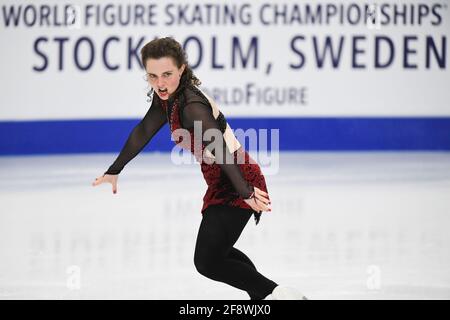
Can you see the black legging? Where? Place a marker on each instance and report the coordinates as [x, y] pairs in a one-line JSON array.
[[216, 258]]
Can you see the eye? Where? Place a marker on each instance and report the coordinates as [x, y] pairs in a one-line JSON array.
[[167, 75]]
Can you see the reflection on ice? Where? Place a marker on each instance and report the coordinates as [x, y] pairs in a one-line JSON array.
[[343, 225]]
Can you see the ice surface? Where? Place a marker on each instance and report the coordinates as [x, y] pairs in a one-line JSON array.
[[343, 226]]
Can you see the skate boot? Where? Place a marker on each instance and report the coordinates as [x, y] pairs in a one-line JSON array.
[[286, 293]]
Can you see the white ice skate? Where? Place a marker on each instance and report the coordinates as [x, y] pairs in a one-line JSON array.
[[285, 293]]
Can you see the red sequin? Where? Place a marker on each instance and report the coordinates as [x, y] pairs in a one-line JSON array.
[[220, 190]]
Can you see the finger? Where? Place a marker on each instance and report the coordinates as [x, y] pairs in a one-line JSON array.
[[261, 206], [256, 205], [114, 188], [260, 192], [253, 205], [262, 199], [97, 182]]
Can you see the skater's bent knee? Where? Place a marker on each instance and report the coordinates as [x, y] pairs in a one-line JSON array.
[[205, 266]]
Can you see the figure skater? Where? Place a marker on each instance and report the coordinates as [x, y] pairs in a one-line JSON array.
[[236, 187]]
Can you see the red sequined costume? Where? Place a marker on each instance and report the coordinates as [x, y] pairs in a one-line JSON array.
[[228, 183]]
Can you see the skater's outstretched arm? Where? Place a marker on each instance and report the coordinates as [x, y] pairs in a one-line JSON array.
[[142, 133], [140, 136]]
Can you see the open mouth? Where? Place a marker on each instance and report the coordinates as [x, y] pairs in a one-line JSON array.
[[162, 92]]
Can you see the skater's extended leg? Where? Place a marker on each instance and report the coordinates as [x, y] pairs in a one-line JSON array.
[[238, 255], [219, 230]]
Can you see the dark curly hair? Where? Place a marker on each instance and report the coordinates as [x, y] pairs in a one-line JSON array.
[[169, 47]]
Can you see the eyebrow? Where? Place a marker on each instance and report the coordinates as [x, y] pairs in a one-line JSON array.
[[162, 73]]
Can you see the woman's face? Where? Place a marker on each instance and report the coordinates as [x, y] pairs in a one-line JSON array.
[[163, 75]]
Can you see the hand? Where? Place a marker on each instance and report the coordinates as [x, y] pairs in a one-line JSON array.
[[111, 178], [260, 202]]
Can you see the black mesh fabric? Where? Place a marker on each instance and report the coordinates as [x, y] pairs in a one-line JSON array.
[[194, 107]]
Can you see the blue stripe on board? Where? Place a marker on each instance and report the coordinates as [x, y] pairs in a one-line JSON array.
[[306, 134]]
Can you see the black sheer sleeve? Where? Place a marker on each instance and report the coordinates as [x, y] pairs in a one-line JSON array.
[[197, 111], [140, 136]]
